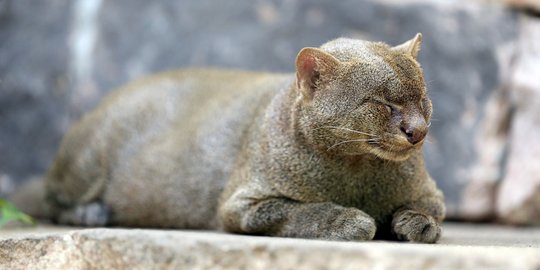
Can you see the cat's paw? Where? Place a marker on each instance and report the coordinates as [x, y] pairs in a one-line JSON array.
[[409, 225], [351, 224], [94, 214]]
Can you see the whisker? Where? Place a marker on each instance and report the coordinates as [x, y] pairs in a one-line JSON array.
[[348, 129], [349, 141]]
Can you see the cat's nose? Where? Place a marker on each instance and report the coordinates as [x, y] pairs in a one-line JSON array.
[[414, 133]]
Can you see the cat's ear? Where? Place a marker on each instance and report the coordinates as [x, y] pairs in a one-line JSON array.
[[411, 47], [312, 66]]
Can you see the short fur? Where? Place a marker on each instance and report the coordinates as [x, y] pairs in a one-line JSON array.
[[331, 153]]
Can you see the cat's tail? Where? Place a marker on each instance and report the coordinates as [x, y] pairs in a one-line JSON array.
[[30, 198]]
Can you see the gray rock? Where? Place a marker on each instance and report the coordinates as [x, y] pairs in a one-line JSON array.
[[532, 5], [157, 249], [34, 85], [88, 47], [518, 200]]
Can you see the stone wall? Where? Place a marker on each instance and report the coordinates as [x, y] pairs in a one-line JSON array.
[[57, 60]]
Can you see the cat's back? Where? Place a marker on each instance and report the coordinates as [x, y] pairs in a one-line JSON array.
[[181, 99], [193, 106], [189, 88]]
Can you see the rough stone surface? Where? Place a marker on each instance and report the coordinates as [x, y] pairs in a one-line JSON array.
[[533, 5], [480, 193], [34, 88], [76, 51], [518, 198], [463, 247]]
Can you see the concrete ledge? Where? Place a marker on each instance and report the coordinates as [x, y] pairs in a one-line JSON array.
[[462, 247]]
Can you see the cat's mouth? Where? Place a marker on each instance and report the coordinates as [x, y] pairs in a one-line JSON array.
[[396, 152]]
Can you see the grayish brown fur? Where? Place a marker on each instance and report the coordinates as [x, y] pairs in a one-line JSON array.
[[323, 154]]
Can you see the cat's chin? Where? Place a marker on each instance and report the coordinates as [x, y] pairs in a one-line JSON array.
[[391, 155], [384, 151]]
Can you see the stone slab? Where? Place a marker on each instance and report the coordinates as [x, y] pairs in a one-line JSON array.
[[462, 247]]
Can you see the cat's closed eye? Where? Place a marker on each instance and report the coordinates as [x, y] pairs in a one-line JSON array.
[[390, 108]]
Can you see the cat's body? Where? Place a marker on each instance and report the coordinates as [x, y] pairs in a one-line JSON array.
[[164, 146], [333, 153]]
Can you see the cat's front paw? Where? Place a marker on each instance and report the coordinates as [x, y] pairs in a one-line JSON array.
[[409, 225], [351, 224]]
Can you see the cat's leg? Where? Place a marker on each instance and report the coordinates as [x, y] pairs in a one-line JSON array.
[[288, 218], [420, 221], [94, 214]]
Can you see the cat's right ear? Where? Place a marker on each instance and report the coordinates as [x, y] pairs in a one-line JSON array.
[[312, 66], [411, 47]]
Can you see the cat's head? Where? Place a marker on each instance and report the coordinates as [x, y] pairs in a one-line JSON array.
[[359, 97]]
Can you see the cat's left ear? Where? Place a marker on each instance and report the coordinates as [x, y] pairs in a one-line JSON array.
[[313, 66], [411, 47]]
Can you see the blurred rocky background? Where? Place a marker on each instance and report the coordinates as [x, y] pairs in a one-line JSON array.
[[481, 60]]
